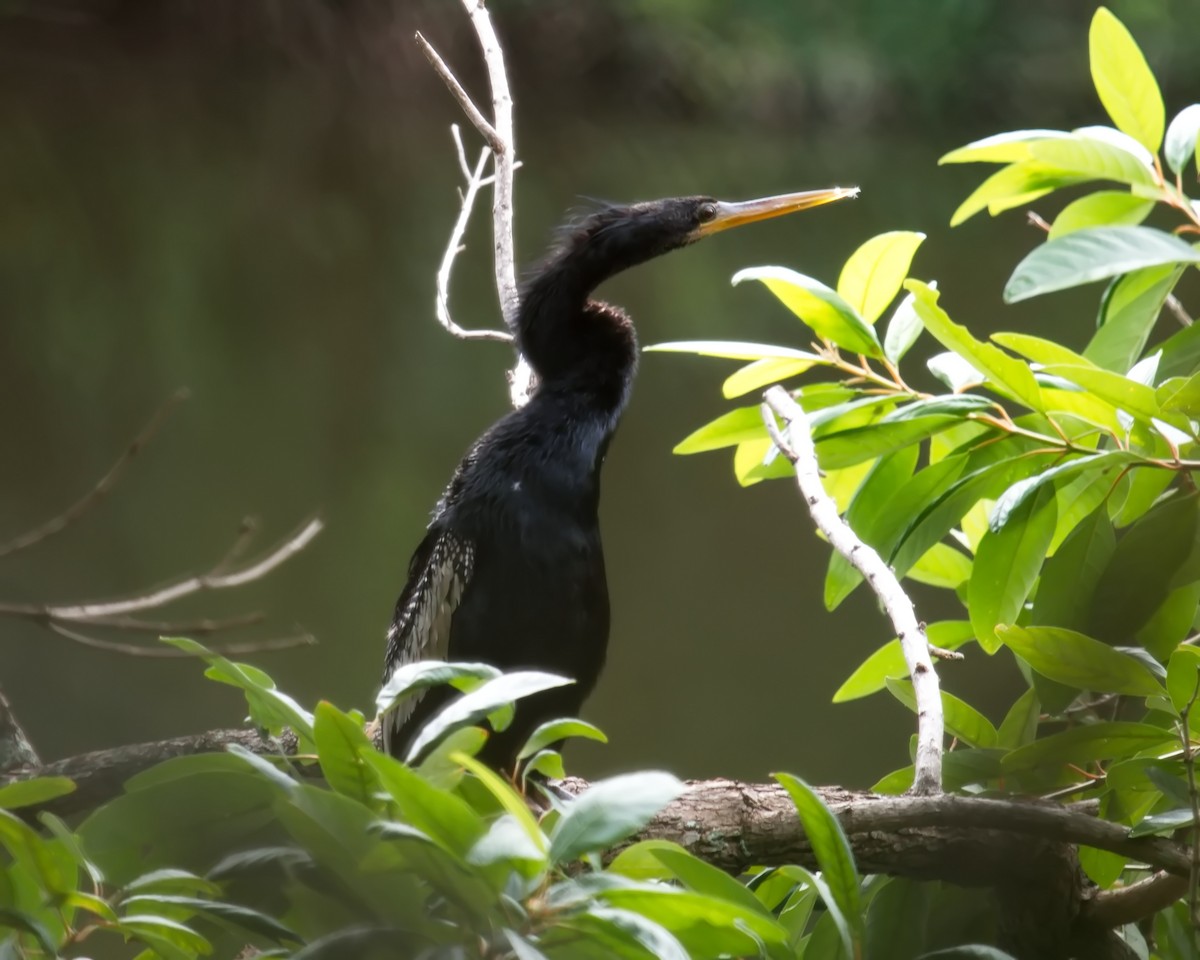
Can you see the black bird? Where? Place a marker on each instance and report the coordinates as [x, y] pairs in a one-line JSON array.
[[511, 571]]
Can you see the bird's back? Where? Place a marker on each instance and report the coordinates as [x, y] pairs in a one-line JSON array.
[[528, 589]]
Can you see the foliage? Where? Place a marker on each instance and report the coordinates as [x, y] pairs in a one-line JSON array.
[[1050, 489]]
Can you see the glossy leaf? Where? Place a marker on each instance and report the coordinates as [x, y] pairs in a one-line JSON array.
[[1011, 147], [903, 328], [33, 792], [1096, 254], [1078, 745], [730, 350], [971, 951], [761, 373], [1111, 208], [942, 566], [1014, 185], [704, 878], [507, 797], [1182, 136], [871, 276], [962, 720], [1183, 679], [705, 926], [253, 921], [610, 810], [1171, 623], [1079, 661], [1122, 392], [1124, 82], [443, 815], [1128, 314], [1007, 563], [1020, 724], [1008, 372], [831, 849], [848, 447], [472, 707], [1093, 158], [423, 674], [555, 731], [1069, 578], [830, 316], [340, 743], [888, 660], [151, 929], [1022, 490], [729, 429], [1038, 349]]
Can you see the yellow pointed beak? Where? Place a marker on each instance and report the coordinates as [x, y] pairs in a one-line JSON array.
[[748, 211]]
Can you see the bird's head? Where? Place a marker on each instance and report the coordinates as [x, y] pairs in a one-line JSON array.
[[617, 237]]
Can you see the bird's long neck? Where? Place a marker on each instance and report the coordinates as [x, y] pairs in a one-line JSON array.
[[583, 351]]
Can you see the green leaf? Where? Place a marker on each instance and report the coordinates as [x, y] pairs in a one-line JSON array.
[[848, 447], [1019, 726], [1038, 349], [610, 810], [149, 928], [33, 792], [1011, 147], [867, 514], [1096, 159], [1079, 661], [472, 707], [730, 350], [1166, 822], [1012, 186], [1097, 741], [1171, 622], [555, 731], [891, 930], [942, 566], [423, 674], [1183, 678], [340, 742], [1182, 136], [28, 924], [1115, 388], [1007, 563], [888, 660], [831, 849], [962, 720], [817, 305], [1105, 208], [442, 815], [1180, 394], [1124, 82], [1069, 577], [508, 798], [1022, 490], [172, 880], [729, 429], [35, 855], [522, 948], [269, 707], [871, 277], [1127, 316], [1008, 372], [253, 921], [704, 878], [972, 951], [760, 373], [903, 329], [1096, 254], [1149, 559]]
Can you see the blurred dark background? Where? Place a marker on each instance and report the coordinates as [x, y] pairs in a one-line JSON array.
[[251, 199]]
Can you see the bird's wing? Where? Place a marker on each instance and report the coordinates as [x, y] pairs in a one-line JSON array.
[[437, 576]]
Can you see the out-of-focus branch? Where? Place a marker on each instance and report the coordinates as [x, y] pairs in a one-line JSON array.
[[795, 442], [65, 619], [501, 138], [234, 648], [103, 487]]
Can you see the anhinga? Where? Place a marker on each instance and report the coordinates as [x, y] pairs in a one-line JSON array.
[[511, 570]]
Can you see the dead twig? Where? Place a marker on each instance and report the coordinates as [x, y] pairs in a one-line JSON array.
[[103, 487], [795, 442], [240, 648]]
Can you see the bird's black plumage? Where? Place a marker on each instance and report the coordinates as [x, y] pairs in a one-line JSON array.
[[511, 570]]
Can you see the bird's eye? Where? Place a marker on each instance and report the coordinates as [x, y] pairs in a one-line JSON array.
[[706, 212]]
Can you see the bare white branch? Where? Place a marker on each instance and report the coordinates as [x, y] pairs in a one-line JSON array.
[[795, 442], [501, 138], [454, 246]]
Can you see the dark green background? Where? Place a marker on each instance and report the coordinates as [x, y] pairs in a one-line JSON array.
[[251, 200]]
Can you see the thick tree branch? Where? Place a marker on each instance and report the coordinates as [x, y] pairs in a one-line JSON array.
[[795, 442], [15, 748]]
